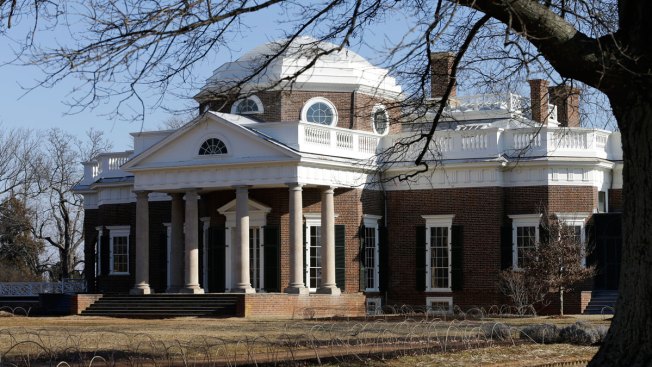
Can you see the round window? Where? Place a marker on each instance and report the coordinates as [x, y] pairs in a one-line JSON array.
[[320, 113], [247, 106], [381, 122]]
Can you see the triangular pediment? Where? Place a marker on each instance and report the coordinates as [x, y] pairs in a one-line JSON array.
[[243, 145], [253, 205]]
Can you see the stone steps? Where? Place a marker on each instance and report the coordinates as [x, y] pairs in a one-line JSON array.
[[602, 302], [164, 305]]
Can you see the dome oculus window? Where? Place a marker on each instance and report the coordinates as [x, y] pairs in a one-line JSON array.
[[247, 106], [320, 111], [212, 146], [380, 120]]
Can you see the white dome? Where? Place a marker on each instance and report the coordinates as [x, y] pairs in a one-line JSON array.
[[342, 70]]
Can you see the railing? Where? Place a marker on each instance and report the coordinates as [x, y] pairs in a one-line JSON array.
[[487, 102], [496, 142], [68, 286], [105, 165], [335, 141]]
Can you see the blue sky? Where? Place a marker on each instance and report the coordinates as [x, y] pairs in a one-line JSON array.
[[42, 108]]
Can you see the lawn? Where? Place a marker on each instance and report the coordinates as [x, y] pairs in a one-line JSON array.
[[28, 341]]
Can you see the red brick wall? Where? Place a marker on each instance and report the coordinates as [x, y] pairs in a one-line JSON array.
[[615, 200], [478, 210], [80, 302], [278, 305]]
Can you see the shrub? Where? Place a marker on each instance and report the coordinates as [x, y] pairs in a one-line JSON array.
[[580, 333], [541, 333], [497, 331]]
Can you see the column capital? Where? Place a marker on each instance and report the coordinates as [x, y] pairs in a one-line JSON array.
[[326, 188], [176, 195], [293, 185], [141, 193], [240, 187]]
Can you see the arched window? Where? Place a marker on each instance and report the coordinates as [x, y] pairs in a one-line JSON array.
[[247, 106], [380, 120], [320, 111], [212, 146]]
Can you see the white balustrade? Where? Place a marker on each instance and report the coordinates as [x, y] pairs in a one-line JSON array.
[[527, 140], [570, 139], [317, 135], [344, 140], [367, 144], [474, 141]]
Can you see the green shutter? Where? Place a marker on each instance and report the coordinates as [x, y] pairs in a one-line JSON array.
[[506, 247], [420, 258], [383, 272], [457, 258], [216, 259], [544, 234], [362, 281], [340, 256], [271, 258]]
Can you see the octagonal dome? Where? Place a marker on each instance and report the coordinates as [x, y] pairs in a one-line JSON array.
[[337, 71]]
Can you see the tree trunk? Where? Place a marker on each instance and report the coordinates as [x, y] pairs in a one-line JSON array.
[[629, 340], [561, 301]]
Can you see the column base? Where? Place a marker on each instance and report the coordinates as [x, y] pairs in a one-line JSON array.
[[243, 290], [296, 290], [194, 289], [334, 291], [175, 289], [140, 290]]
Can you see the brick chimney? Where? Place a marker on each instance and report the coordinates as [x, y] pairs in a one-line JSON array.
[[441, 64], [539, 100], [567, 100]]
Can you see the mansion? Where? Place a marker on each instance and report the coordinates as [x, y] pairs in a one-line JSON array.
[[295, 191]]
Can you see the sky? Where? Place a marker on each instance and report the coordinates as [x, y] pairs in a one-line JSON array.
[[43, 108]]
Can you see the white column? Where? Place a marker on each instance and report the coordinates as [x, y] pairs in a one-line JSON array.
[[192, 244], [177, 240], [142, 244], [206, 224], [296, 284], [328, 285], [243, 283]]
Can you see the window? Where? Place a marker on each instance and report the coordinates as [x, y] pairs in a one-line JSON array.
[[319, 111], [374, 306], [380, 120], [119, 249], [313, 251], [256, 258], [525, 236], [370, 252], [212, 146], [439, 305], [438, 252], [576, 221], [247, 106], [602, 202]]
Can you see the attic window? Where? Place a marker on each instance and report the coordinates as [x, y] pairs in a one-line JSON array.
[[247, 106], [212, 146], [319, 111], [380, 120]]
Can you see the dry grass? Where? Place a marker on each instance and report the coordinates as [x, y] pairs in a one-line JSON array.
[[187, 341]]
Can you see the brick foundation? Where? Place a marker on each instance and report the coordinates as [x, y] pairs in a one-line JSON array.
[[80, 302], [286, 306]]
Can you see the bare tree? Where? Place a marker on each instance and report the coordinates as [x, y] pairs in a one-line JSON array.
[[524, 289], [60, 217], [122, 47]]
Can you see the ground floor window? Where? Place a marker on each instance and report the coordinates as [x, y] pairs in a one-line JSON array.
[[374, 306], [438, 252], [256, 258], [576, 222], [525, 236], [119, 249], [370, 253], [439, 305], [313, 252]]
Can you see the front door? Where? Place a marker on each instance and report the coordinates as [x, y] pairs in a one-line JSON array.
[[256, 259], [606, 247], [313, 257]]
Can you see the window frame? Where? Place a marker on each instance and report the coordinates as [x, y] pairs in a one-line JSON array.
[[431, 300], [115, 232], [371, 221], [311, 220], [576, 220], [377, 303], [312, 101], [255, 99], [375, 110], [438, 221], [523, 220]]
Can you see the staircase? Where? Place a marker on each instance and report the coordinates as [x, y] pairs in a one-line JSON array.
[[602, 302], [164, 305]]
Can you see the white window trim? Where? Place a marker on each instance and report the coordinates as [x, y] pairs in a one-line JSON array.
[[310, 102], [378, 306], [445, 220], [311, 220], [371, 221], [431, 300], [373, 121], [523, 220], [118, 231], [576, 220], [257, 101]]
